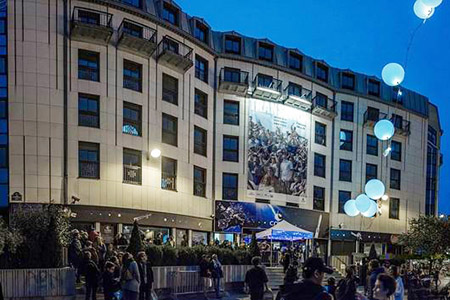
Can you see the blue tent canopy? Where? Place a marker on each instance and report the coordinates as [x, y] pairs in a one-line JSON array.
[[284, 231]]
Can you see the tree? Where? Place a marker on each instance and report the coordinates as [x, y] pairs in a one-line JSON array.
[[254, 249], [373, 252], [136, 244], [428, 237], [9, 239]]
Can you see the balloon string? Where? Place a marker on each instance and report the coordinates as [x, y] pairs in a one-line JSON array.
[[411, 39]]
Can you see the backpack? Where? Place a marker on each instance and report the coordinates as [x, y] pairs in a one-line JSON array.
[[345, 290]]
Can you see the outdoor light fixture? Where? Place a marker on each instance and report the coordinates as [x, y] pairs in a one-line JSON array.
[[423, 11], [374, 189], [393, 74], [432, 3], [385, 197], [155, 153], [350, 208], [384, 130]]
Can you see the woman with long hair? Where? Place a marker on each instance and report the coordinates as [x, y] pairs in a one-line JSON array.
[[130, 277], [385, 287]]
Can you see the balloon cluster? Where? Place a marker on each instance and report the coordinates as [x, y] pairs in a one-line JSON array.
[[424, 9], [365, 204]]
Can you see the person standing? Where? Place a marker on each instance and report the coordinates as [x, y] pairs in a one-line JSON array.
[[400, 290], [375, 270], [92, 275], [146, 274], [205, 274], [111, 283], [75, 253], [286, 261], [130, 277], [385, 286], [256, 280], [216, 273]]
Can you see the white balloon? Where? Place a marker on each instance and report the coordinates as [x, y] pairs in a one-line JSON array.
[[384, 129], [432, 3], [423, 11], [374, 189], [393, 74], [362, 203], [371, 211], [350, 208]]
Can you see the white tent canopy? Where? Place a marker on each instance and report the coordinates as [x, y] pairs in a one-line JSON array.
[[284, 231]]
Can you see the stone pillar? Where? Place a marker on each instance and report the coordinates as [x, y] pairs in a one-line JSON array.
[[97, 226], [119, 228], [190, 237], [237, 239], [173, 233]]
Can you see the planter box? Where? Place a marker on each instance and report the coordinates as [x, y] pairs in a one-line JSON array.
[[38, 283]]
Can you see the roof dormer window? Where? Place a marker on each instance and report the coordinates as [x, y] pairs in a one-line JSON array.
[[232, 44], [170, 14], [322, 72], [201, 32], [348, 81], [295, 61], [373, 87], [265, 52]]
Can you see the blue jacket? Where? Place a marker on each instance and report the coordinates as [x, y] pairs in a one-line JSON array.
[[372, 279], [132, 282]]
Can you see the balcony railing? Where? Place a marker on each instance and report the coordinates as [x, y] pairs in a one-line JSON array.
[[371, 117], [233, 81], [174, 54], [88, 119], [402, 127], [91, 25], [170, 96], [132, 174], [267, 88], [137, 38], [300, 99], [132, 83], [89, 169], [168, 182], [325, 107]]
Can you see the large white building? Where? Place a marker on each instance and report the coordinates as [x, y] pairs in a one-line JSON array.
[[90, 88]]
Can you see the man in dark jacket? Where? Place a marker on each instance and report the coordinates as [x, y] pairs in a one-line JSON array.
[[375, 269], [111, 284], [256, 280], [146, 274], [205, 274], [92, 274], [310, 288], [75, 253]]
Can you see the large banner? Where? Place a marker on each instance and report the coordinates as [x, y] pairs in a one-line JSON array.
[[277, 152]]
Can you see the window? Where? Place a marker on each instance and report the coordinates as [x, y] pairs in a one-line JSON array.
[[343, 197], [372, 145], [201, 103], [346, 140], [373, 88], [345, 170], [170, 89], [373, 114], [321, 134], [230, 148], [88, 65], [199, 182], [319, 198], [432, 135], [89, 160], [171, 45], [395, 181], [231, 112], [394, 208], [371, 172], [201, 68], [397, 95], [294, 89], [135, 3], [322, 72], [168, 174], [295, 61], [201, 32], [232, 44], [321, 100], [200, 141], [319, 165], [348, 81], [132, 166], [132, 76], [265, 52], [232, 75], [170, 14], [169, 130], [347, 111], [132, 119], [89, 17], [88, 110], [397, 121], [265, 81], [229, 186], [396, 151], [132, 29]]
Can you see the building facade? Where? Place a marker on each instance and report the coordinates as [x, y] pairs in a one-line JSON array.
[[96, 88]]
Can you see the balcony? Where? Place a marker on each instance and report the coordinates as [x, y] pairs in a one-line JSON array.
[[88, 25], [174, 54], [132, 174], [402, 127], [298, 97], [267, 88], [89, 169], [324, 107], [373, 116], [232, 81], [136, 38]]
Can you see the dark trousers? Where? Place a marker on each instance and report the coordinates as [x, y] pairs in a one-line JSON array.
[[91, 289], [257, 295], [144, 292]]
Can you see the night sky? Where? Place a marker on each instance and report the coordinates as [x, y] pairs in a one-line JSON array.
[[359, 35]]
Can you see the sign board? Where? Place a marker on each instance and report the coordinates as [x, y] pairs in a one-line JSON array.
[[16, 196]]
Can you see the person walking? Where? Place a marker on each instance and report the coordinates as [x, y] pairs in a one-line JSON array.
[[374, 269], [205, 273], [75, 254], [111, 283], [256, 280], [384, 288], [310, 288], [400, 290], [130, 277], [146, 274], [291, 273], [216, 273], [347, 287], [92, 274], [286, 262]]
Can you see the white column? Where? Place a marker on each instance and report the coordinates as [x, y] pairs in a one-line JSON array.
[[173, 233], [119, 228], [97, 226], [190, 237]]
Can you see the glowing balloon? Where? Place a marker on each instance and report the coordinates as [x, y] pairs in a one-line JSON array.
[[362, 203], [384, 129], [423, 11], [393, 74], [432, 3], [350, 208], [374, 189], [371, 211]]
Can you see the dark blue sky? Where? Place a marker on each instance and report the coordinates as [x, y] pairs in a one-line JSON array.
[[359, 35]]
